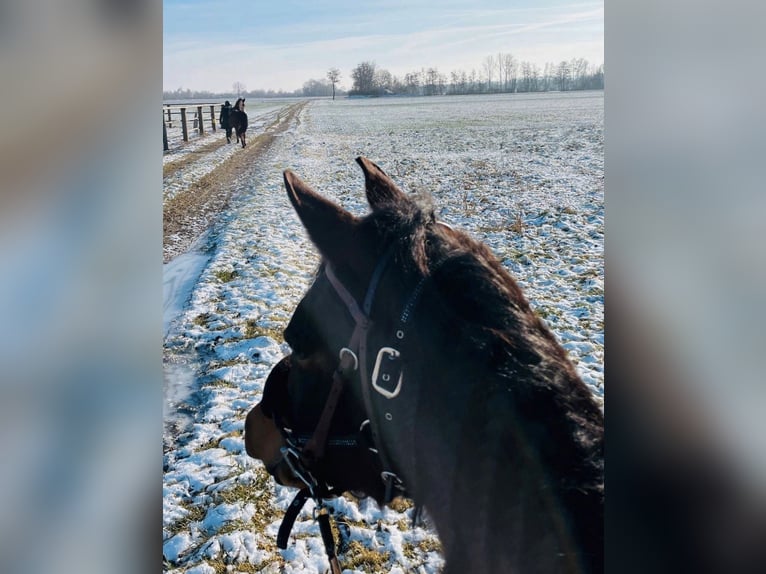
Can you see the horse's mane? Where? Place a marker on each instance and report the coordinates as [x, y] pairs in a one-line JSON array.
[[478, 299]]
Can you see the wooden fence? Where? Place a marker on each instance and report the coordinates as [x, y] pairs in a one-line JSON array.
[[193, 114]]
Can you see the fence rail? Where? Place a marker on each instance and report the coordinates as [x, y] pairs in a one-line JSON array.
[[198, 114]]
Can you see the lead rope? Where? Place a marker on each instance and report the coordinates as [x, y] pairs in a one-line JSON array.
[[325, 529], [321, 515]]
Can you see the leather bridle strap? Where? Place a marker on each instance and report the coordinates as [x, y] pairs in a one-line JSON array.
[[358, 340], [325, 529], [290, 516], [314, 449]]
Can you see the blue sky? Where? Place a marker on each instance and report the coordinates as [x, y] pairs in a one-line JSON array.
[[279, 44]]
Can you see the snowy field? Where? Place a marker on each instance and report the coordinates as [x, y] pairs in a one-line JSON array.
[[523, 173]]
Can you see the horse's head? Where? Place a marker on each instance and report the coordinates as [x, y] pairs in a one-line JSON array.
[[371, 268], [416, 356]]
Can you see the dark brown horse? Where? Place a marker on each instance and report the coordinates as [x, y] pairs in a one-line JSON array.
[[449, 390], [238, 120]]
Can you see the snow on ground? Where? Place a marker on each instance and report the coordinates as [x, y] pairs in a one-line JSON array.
[[180, 180], [522, 173], [258, 113]]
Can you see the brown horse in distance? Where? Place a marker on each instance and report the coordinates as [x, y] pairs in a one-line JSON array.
[[238, 120]]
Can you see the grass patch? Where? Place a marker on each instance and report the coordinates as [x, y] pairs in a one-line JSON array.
[[212, 443], [430, 545], [415, 553], [253, 331], [225, 275], [359, 557], [194, 514], [226, 363], [408, 549], [548, 313], [259, 494], [216, 442], [517, 225], [202, 320], [400, 504], [233, 526], [221, 567], [220, 384]]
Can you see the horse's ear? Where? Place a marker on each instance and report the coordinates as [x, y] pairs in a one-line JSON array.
[[330, 227], [381, 190]]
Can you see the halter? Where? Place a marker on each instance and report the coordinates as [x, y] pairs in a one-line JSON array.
[[384, 384]]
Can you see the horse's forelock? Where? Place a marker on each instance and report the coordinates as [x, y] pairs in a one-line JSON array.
[[407, 225]]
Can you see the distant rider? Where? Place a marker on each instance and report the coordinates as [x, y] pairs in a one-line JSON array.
[[224, 119]]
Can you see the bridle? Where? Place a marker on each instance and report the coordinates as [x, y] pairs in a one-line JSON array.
[[380, 390]]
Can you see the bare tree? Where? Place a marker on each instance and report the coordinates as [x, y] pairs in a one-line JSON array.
[[502, 83], [473, 81], [383, 80], [364, 78], [529, 77], [316, 88], [431, 81], [454, 82], [563, 75], [509, 72], [489, 69], [334, 76], [412, 83], [579, 71], [239, 87]]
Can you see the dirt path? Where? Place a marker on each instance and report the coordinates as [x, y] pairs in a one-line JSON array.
[[188, 214]]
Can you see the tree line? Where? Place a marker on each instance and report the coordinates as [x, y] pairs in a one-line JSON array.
[[311, 89], [502, 73]]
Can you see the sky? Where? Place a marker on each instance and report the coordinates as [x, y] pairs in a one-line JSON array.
[[280, 44]]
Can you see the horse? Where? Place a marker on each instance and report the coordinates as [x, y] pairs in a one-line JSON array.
[[419, 369], [238, 120]]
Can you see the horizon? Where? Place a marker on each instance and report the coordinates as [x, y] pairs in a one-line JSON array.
[[202, 54]]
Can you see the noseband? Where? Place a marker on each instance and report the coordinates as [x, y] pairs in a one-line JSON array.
[[380, 389]]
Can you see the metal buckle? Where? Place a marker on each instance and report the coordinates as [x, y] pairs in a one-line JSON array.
[[389, 353], [353, 356], [296, 467], [387, 475]]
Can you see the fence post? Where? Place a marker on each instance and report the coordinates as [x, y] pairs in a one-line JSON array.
[[164, 135], [212, 116], [169, 118], [201, 123], [183, 125]]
